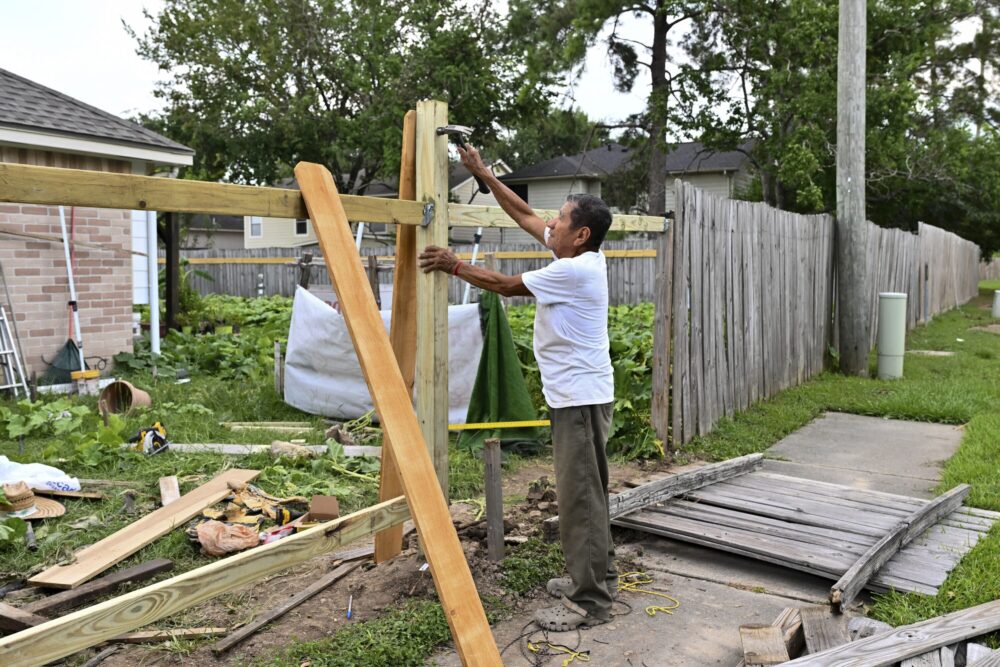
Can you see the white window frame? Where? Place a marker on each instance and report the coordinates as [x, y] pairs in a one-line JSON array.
[[305, 221], [258, 221]]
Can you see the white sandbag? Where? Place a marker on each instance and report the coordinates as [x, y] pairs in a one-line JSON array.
[[322, 373], [36, 475]]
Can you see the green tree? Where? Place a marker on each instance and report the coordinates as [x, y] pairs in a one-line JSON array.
[[559, 132], [258, 85], [559, 33]]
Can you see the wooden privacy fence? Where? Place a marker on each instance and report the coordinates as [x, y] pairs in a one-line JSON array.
[[745, 301], [631, 267], [990, 270]]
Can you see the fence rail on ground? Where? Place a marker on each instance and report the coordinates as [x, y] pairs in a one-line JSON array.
[[750, 310], [631, 268]]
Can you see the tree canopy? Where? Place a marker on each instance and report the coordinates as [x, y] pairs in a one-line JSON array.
[[257, 85]]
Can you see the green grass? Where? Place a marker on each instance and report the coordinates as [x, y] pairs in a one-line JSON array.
[[961, 389]]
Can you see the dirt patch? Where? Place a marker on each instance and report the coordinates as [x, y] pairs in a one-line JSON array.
[[373, 588]]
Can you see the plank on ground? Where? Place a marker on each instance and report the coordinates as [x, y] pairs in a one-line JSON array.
[[452, 577], [98, 557], [991, 660], [87, 627], [170, 490], [821, 629], [910, 640], [98, 587], [153, 636], [14, 618], [763, 645]]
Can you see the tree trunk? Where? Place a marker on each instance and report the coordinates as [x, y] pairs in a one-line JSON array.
[[658, 100]]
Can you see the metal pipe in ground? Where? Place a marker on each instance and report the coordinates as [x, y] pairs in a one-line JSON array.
[[72, 287], [891, 334]]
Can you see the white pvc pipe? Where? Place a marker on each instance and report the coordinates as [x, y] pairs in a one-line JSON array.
[[996, 304], [891, 335], [72, 287], [472, 262], [152, 256], [361, 235]]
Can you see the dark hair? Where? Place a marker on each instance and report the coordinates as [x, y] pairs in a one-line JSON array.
[[593, 213]]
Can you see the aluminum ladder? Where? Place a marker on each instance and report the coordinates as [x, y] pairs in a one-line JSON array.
[[10, 359]]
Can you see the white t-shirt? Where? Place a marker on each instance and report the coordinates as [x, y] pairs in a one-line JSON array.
[[571, 330]]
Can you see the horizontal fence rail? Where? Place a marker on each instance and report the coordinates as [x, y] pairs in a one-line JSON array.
[[631, 267]]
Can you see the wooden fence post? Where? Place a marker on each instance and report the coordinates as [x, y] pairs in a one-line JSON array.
[[431, 381], [494, 500], [662, 334]]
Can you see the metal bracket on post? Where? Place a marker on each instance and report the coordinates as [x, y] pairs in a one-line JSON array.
[[428, 214]]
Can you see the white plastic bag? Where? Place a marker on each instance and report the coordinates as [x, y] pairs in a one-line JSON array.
[[36, 475], [322, 373]]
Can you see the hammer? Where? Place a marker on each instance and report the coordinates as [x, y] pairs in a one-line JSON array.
[[459, 134]]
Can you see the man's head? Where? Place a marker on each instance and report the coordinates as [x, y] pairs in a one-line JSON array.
[[582, 224]]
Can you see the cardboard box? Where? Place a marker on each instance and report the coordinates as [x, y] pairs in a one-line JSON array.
[[323, 508]]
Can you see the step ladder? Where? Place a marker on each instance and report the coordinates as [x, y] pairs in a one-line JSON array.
[[10, 348], [10, 359]]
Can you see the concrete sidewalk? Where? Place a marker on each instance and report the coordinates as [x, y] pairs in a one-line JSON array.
[[719, 592]]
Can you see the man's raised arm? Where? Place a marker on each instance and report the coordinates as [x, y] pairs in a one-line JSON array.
[[512, 205]]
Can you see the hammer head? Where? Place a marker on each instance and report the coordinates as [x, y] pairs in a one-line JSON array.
[[457, 133]]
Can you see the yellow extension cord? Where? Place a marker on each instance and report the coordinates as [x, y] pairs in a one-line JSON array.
[[631, 582]]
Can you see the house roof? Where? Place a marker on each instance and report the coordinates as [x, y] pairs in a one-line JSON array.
[[27, 105], [693, 157], [594, 163], [689, 157]]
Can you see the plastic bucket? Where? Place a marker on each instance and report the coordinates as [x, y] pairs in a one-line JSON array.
[[122, 396]]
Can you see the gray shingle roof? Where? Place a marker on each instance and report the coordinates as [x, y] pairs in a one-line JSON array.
[[27, 105], [690, 157]]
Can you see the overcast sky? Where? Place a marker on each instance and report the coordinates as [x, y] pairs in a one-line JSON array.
[[80, 48]]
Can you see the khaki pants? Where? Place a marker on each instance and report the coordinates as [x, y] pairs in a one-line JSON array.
[[579, 439]]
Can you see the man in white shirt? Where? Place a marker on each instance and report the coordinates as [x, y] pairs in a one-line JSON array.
[[571, 347]]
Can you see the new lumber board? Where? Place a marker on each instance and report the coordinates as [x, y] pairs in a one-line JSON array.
[[75, 597], [96, 558], [72, 495], [391, 397], [821, 629], [908, 641], [106, 620], [763, 645], [170, 490], [263, 619], [402, 328], [843, 592]]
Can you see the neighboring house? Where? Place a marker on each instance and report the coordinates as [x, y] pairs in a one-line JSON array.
[[214, 232], [262, 232], [722, 173], [40, 126], [547, 184]]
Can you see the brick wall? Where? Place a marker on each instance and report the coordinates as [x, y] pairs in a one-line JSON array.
[[39, 288]]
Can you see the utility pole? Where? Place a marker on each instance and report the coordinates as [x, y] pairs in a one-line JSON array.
[[853, 279]]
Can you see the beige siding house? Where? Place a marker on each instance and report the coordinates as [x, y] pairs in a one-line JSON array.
[[547, 184], [261, 232], [40, 126]]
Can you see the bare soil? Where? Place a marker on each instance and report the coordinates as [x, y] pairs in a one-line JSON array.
[[373, 588]]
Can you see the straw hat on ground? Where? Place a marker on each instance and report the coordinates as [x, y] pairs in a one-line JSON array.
[[20, 498]]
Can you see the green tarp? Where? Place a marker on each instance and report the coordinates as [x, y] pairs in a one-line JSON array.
[[500, 393]]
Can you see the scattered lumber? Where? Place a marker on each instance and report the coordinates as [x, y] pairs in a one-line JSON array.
[[848, 587], [14, 618], [96, 558], [170, 490], [908, 641], [283, 427], [152, 636], [246, 450], [76, 597], [763, 645], [790, 624], [860, 627], [992, 659], [391, 397], [72, 495], [821, 629], [106, 620], [318, 586], [939, 657]]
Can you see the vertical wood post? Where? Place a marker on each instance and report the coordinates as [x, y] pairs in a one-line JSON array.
[[402, 329], [373, 279], [494, 500], [172, 242], [853, 281], [431, 382], [662, 335]]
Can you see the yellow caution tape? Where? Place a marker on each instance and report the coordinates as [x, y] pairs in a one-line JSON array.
[[488, 425]]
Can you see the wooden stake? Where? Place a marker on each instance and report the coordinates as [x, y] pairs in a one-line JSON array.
[[402, 328], [170, 490], [494, 501], [432, 289], [452, 578]]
